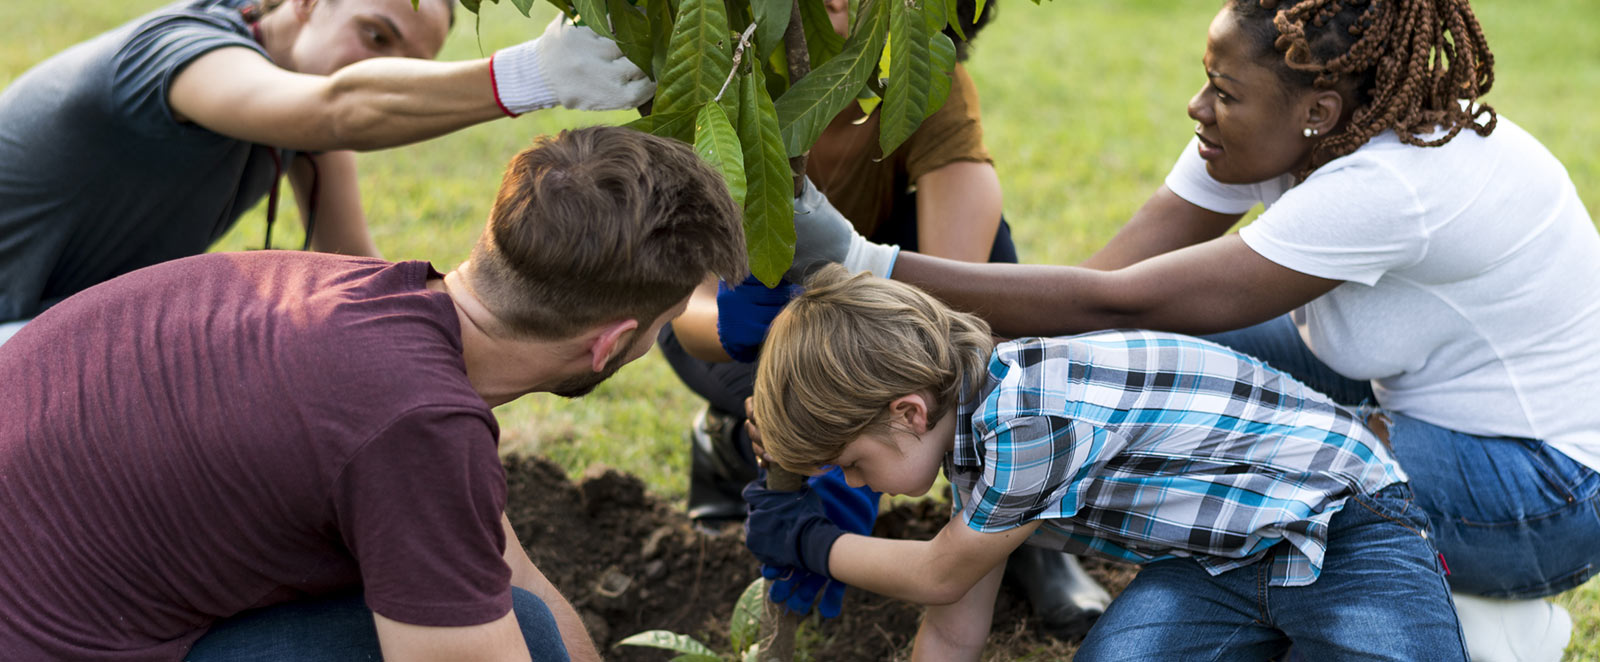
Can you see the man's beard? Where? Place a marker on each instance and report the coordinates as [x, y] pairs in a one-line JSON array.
[[580, 385]]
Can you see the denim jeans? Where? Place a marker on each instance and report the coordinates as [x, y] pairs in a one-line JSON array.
[[1514, 517], [1381, 596], [340, 628]]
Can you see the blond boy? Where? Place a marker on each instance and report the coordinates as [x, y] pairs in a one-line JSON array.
[[1263, 513]]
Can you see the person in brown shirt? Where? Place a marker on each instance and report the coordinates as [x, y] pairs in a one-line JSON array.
[[937, 193], [293, 456]]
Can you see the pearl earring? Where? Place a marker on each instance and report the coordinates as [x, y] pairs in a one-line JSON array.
[[1310, 132]]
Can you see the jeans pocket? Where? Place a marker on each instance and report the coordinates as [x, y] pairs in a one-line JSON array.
[[1395, 503]]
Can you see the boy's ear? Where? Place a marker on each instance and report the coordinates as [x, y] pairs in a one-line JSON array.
[[911, 411]]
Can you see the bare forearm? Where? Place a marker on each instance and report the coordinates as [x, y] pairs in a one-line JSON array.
[[925, 572], [696, 328], [580, 647], [327, 189], [959, 631], [1016, 300], [1215, 286], [387, 102]]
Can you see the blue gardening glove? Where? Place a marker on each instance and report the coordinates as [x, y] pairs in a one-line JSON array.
[[788, 529], [852, 509], [745, 312], [824, 235]]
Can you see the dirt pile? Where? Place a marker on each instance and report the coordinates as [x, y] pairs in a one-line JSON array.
[[630, 563]]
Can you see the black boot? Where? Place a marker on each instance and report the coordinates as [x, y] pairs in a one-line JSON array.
[[1066, 600], [718, 470]]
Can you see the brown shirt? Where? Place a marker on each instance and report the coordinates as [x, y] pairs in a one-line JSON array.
[[847, 165]]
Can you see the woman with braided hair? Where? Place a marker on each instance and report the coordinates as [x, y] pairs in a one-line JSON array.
[[1419, 256]]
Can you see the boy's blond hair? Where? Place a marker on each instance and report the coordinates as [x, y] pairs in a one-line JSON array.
[[840, 353]]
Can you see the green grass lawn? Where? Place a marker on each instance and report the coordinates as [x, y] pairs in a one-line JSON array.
[[1084, 111]]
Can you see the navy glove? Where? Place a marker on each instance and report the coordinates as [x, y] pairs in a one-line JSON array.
[[788, 529], [851, 508], [744, 314]]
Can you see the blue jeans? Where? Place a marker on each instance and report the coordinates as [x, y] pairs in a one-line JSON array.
[[1381, 596], [341, 628], [1514, 517]]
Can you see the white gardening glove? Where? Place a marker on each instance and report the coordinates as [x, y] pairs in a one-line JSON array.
[[569, 66], [823, 235]]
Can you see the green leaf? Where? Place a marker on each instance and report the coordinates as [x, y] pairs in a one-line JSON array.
[[906, 101], [672, 641], [678, 125], [805, 110], [523, 6], [769, 185], [699, 57], [744, 628], [937, 13], [633, 32], [659, 12], [469, 5], [822, 43], [952, 10], [592, 13], [752, 654], [717, 143], [772, 18], [942, 58], [978, 14]]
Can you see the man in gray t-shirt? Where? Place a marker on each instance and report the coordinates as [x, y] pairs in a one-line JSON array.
[[147, 142]]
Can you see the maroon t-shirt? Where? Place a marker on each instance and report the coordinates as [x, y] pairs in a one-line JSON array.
[[231, 431]]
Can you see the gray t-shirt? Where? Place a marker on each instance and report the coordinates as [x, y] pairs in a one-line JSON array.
[[96, 177]]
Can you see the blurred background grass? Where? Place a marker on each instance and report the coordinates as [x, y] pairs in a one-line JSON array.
[[1083, 110]]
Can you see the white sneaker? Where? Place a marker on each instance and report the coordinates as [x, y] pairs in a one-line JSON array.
[[1513, 630]]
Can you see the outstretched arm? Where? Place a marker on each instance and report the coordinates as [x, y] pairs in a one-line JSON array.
[[1214, 286], [390, 101], [930, 572]]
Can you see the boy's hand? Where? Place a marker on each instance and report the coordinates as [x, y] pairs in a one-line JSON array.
[[745, 312], [854, 510], [788, 529], [824, 235]]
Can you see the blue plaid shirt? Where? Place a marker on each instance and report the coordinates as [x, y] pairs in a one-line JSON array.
[[1140, 446]]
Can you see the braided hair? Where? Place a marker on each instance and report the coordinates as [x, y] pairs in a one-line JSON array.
[[1415, 66]]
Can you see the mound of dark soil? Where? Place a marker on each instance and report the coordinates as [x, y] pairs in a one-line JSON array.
[[631, 563]]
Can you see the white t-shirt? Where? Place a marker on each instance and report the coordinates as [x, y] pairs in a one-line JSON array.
[[1472, 293]]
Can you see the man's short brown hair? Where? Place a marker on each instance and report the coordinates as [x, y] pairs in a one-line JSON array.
[[602, 224]]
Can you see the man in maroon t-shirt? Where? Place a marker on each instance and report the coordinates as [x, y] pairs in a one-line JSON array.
[[257, 432]]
